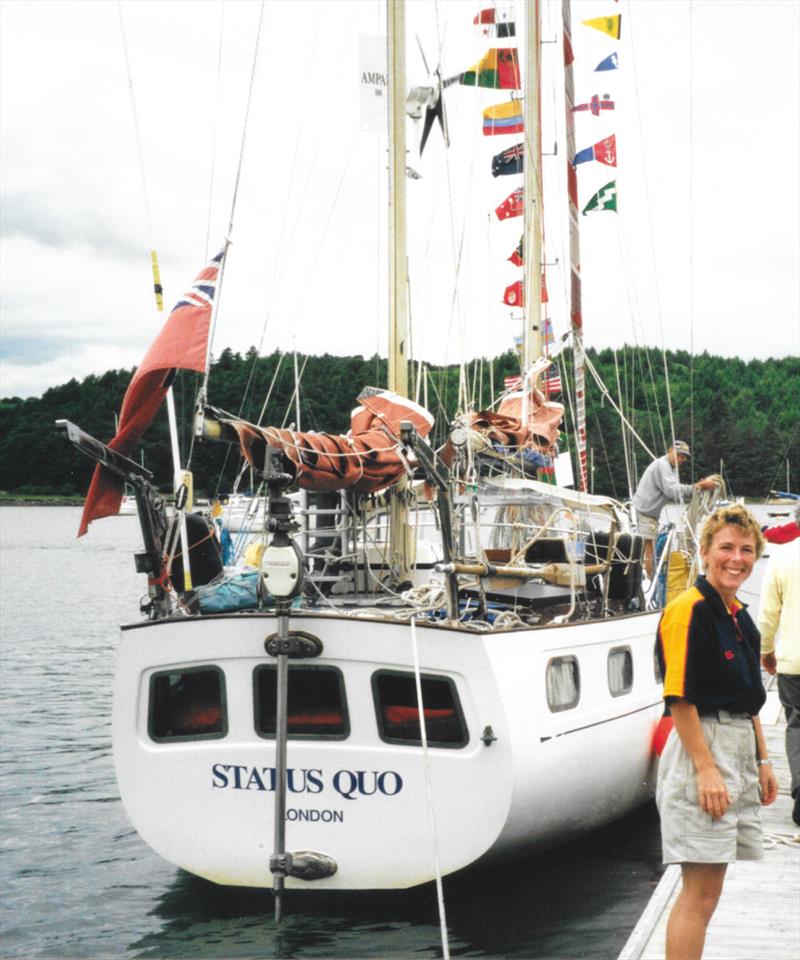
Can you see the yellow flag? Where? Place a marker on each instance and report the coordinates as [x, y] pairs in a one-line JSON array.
[[157, 281], [609, 25], [511, 110]]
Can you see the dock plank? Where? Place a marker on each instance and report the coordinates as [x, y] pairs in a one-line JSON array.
[[758, 916]]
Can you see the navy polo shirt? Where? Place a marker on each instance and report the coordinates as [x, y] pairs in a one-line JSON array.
[[710, 655]]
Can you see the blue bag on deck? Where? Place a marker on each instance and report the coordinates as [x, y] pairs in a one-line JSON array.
[[239, 592]]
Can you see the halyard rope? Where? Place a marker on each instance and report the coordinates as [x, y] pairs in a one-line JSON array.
[[215, 312]]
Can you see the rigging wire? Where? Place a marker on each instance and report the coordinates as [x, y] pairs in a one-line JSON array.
[[606, 393], [212, 172], [691, 228], [292, 400], [429, 793], [137, 131], [784, 456], [283, 247], [625, 450], [634, 310], [215, 311], [457, 250], [648, 207]]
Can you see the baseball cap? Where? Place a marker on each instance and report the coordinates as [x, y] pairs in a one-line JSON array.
[[682, 448]]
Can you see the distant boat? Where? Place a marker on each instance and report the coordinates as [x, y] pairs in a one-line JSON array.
[[128, 506], [782, 497]]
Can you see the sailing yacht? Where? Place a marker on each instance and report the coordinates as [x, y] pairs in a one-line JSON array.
[[445, 659]]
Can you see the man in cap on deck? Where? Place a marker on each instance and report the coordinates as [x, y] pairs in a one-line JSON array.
[[660, 485]]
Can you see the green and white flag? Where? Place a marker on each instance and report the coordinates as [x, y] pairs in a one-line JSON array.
[[604, 199]]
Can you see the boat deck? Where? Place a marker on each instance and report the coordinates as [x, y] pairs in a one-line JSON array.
[[758, 915]]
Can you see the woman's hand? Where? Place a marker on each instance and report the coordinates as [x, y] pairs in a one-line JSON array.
[[767, 784], [712, 792]]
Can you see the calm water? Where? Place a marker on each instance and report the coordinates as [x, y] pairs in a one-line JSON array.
[[78, 882]]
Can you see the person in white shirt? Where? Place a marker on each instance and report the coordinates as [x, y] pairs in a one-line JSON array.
[[779, 624]]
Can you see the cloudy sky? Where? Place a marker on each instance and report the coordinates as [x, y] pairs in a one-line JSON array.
[[702, 255]]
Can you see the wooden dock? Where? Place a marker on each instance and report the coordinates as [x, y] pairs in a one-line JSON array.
[[758, 915]]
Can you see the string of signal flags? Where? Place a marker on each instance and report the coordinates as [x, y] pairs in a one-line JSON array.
[[499, 69]]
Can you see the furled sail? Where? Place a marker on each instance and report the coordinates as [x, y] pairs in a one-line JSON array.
[[365, 459], [503, 432]]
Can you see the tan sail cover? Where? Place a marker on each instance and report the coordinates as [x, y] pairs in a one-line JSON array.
[[365, 459], [544, 419]]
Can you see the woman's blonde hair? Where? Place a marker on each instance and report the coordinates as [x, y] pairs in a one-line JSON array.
[[736, 515]]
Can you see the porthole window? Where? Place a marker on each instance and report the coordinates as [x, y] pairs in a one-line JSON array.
[[187, 704], [620, 671], [397, 712], [316, 707], [563, 681]]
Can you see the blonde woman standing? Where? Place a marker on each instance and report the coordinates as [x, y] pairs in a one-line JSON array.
[[715, 772]]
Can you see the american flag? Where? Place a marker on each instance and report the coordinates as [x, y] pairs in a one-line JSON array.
[[552, 380], [512, 383]]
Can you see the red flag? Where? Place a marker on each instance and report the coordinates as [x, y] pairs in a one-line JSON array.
[[512, 206], [518, 257], [514, 295], [181, 343], [485, 16]]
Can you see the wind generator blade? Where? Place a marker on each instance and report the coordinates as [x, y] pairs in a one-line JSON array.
[[436, 110], [422, 54], [443, 115], [432, 113]]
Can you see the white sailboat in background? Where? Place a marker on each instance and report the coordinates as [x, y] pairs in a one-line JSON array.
[[479, 656]]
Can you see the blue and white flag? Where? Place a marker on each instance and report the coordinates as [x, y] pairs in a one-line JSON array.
[[611, 62]]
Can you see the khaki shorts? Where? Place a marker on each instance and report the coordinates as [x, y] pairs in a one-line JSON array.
[[647, 527], [688, 833]]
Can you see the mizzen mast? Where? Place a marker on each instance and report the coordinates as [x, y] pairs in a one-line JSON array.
[[533, 340], [575, 311]]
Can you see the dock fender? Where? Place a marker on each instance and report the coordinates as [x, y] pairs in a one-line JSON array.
[[661, 734]]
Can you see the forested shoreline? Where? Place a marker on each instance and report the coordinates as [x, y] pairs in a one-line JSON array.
[[744, 415]]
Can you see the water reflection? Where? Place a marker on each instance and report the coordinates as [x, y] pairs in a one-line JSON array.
[[581, 900]]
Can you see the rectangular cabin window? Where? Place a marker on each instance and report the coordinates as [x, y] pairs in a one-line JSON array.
[[620, 671], [187, 704], [317, 707], [395, 697], [563, 682]]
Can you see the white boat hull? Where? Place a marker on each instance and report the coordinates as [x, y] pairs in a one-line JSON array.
[[363, 801]]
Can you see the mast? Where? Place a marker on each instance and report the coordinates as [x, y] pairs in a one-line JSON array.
[[575, 312], [533, 341], [398, 267], [399, 532]]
